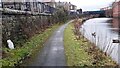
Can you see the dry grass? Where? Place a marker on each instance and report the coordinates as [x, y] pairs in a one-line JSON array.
[[81, 52]]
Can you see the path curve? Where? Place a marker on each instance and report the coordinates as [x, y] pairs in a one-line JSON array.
[[52, 53]]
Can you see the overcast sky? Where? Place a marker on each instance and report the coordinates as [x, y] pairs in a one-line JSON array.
[[87, 5]]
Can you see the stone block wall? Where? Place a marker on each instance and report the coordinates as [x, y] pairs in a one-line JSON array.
[[21, 27]]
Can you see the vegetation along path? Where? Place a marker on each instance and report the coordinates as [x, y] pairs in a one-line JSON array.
[[53, 52], [80, 52]]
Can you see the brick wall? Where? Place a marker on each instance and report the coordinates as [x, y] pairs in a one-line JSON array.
[[116, 9]]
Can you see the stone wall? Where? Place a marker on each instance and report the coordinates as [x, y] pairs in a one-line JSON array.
[[19, 28]]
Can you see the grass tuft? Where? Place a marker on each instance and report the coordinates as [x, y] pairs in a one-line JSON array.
[[15, 56], [82, 52]]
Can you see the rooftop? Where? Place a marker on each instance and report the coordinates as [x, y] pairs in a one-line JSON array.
[[47, 0]]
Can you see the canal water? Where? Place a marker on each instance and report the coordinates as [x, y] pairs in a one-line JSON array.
[[102, 32]]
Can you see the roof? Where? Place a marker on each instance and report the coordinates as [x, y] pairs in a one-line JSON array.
[[48, 0]]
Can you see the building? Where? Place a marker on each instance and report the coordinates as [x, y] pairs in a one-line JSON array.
[[13, 4], [99, 13], [108, 11], [50, 3], [66, 5], [34, 6], [79, 11], [24, 5], [47, 6], [73, 7], [116, 9]]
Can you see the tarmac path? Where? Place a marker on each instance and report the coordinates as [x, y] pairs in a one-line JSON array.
[[52, 53]]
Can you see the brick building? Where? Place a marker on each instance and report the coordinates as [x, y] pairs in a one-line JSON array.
[[116, 9]]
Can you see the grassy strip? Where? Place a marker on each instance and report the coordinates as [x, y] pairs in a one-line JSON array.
[[17, 55], [77, 51]]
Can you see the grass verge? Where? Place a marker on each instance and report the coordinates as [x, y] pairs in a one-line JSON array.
[[77, 51], [15, 56]]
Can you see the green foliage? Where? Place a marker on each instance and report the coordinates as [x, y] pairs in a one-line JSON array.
[[16, 55], [75, 54], [20, 28], [62, 15], [77, 51]]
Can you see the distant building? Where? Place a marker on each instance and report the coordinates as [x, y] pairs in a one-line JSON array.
[[73, 12], [79, 11], [99, 13], [47, 6], [51, 3], [73, 7], [108, 11], [66, 5]]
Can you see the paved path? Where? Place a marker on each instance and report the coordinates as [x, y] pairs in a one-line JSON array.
[[53, 52]]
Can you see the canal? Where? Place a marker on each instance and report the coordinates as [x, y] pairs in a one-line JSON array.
[[104, 32]]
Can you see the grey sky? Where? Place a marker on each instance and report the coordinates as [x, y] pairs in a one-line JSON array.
[[87, 5]]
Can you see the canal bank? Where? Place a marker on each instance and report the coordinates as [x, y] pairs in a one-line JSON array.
[[81, 52], [105, 33]]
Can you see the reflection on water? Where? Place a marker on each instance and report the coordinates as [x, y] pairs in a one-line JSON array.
[[105, 34], [116, 24]]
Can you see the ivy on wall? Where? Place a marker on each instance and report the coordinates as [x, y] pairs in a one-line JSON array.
[[18, 28]]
